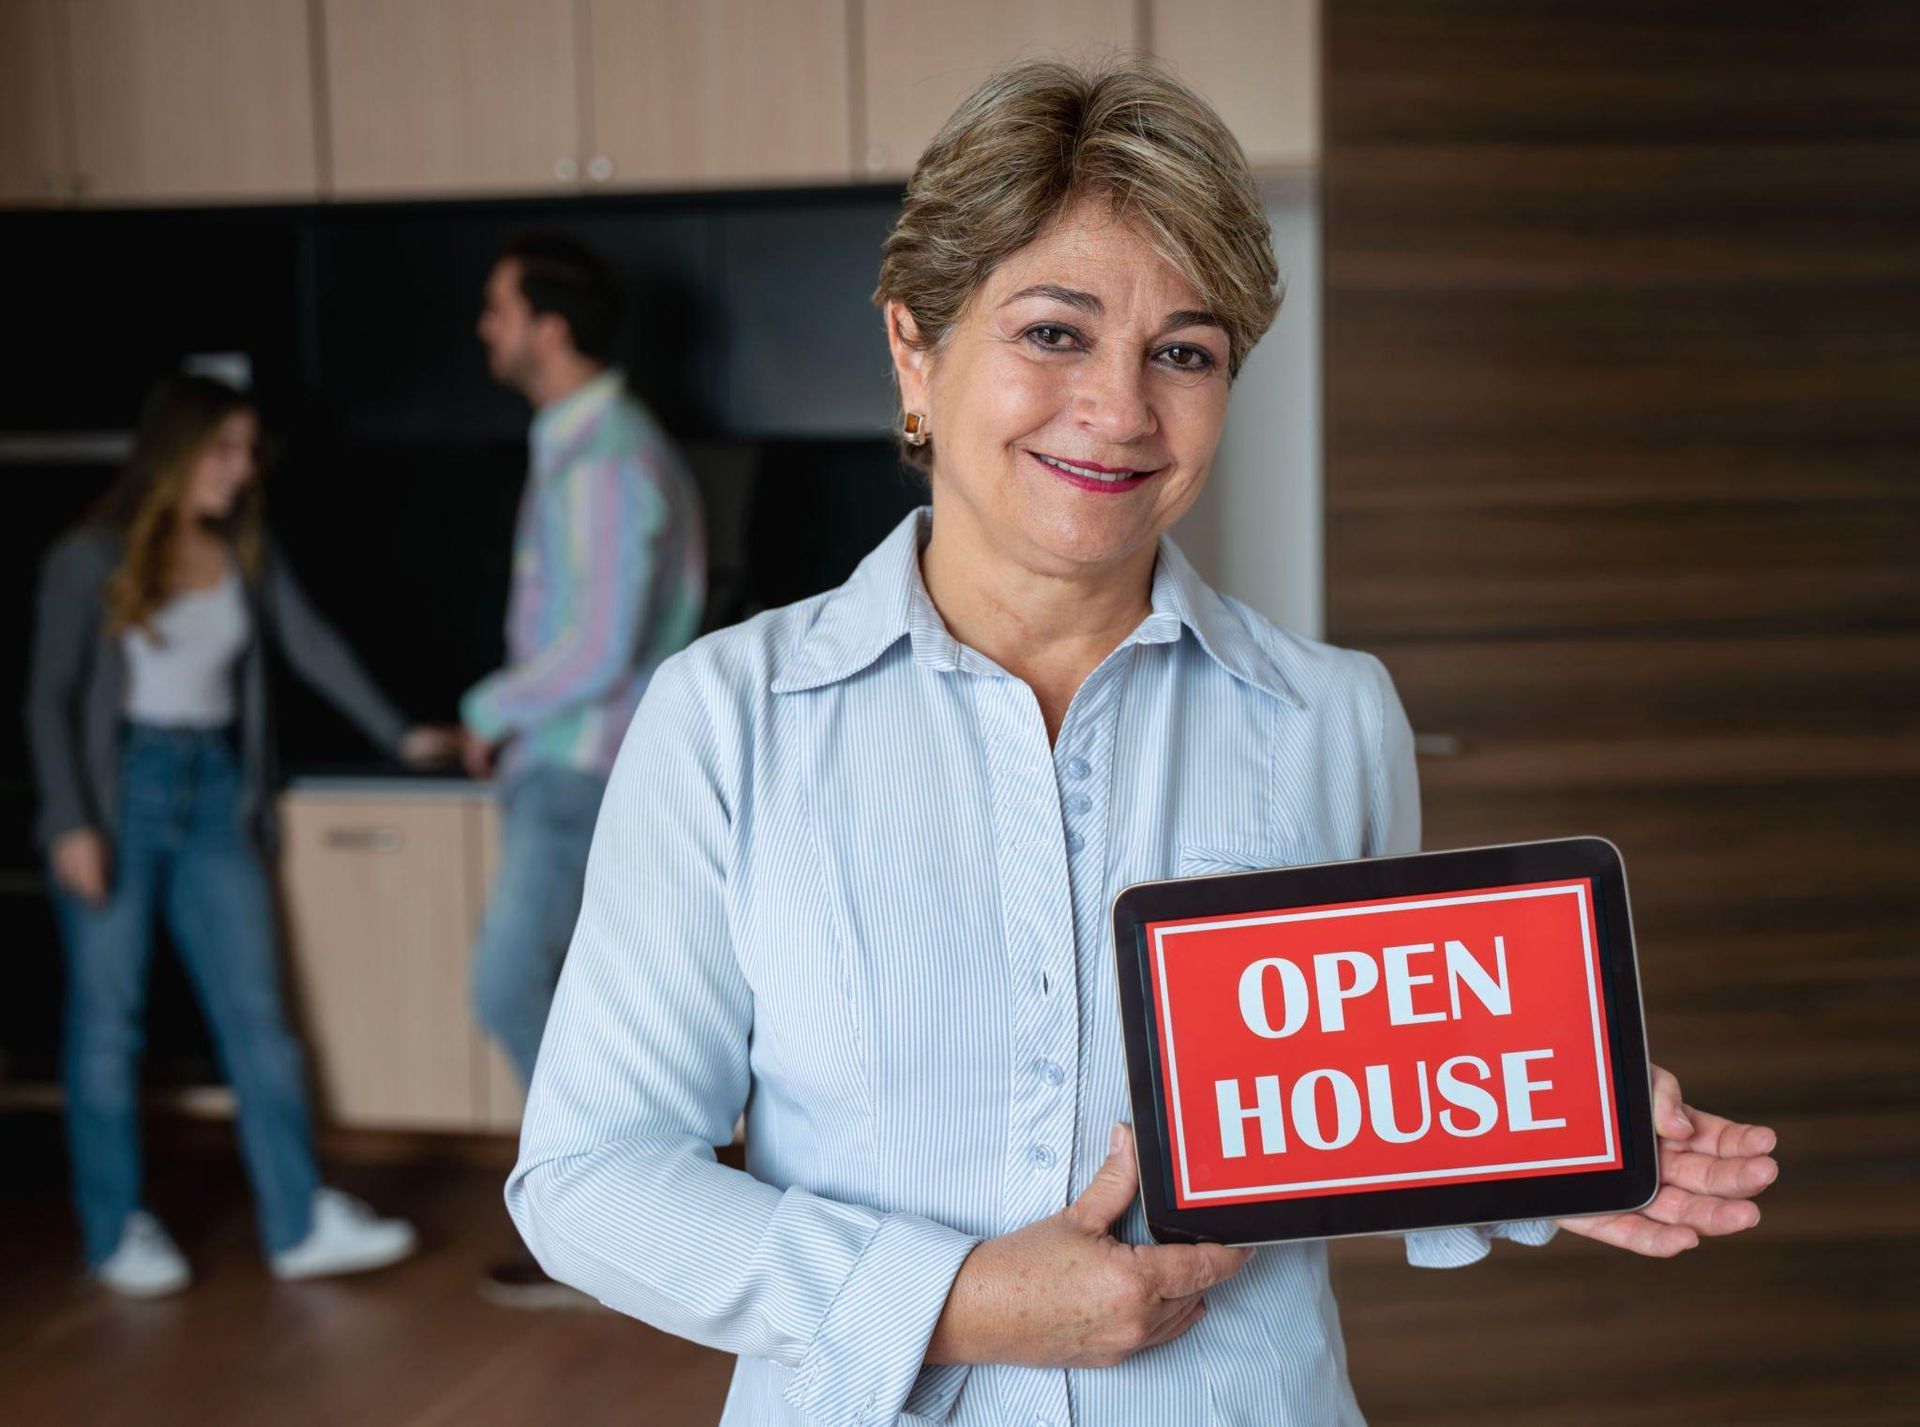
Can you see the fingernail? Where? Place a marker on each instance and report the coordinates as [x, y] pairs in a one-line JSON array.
[[1116, 1138]]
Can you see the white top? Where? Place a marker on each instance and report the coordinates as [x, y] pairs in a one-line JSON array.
[[184, 677]]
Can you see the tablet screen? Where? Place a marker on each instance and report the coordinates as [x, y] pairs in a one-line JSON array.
[[1397, 1043]]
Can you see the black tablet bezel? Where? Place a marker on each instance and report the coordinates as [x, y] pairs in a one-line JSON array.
[[1555, 1196]]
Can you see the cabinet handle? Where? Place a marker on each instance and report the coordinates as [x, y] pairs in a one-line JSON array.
[[566, 170], [1439, 745], [363, 839], [599, 168]]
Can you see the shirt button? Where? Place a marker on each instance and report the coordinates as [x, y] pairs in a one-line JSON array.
[[1050, 1072], [1079, 803], [1077, 768], [1075, 842], [1040, 1157]]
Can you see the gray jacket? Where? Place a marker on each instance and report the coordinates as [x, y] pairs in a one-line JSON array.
[[76, 680]]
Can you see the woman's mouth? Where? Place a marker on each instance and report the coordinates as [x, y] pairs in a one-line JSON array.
[[1105, 479]]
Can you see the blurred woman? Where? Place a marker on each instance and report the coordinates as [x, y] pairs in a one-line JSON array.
[[152, 744]]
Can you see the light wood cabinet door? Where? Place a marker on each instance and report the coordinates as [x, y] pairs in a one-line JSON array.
[[1257, 62], [719, 92], [922, 57], [191, 100], [36, 163], [381, 909], [452, 96]]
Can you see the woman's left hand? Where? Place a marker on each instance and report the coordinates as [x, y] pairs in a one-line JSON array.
[[1709, 1169]]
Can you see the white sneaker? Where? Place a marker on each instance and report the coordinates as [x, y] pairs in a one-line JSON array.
[[346, 1237], [146, 1263]]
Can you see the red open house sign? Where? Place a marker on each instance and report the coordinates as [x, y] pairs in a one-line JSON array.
[[1395, 1044]]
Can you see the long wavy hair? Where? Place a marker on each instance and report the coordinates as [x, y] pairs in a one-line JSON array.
[[178, 422]]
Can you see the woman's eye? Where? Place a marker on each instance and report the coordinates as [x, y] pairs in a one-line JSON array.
[[1049, 338], [1187, 359]]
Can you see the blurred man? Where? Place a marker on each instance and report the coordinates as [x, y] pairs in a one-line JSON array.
[[609, 574]]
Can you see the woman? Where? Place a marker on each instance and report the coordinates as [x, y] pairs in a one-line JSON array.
[[854, 870], [152, 746]]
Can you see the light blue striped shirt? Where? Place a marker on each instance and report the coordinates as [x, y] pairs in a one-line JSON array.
[[842, 881]]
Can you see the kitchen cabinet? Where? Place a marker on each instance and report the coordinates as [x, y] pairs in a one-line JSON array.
[[382, 895], [1257, 62], [439, 97], [697, 92], [191, 101], [36, 161], [922, 57], [500, 1097], [135, 101]]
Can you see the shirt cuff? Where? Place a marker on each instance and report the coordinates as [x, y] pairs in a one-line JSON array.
[[1456, 1248], [867, 1356], [478, 713]]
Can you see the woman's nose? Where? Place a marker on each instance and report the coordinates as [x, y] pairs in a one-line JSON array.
[[1111, 402]]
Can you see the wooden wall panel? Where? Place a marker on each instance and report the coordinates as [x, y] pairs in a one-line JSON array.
[[1622, 458], [1666, 685]]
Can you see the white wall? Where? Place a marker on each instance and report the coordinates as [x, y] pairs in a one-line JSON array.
[[1256, 531]]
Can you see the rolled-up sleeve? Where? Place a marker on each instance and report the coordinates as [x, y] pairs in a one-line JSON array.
[[1394, 829], [1456, 1248], [644, 1068]]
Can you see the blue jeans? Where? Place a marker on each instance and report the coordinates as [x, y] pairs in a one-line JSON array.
[[549, 813], [181, 851]]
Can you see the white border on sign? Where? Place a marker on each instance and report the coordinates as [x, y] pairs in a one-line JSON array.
[[1579, 892]]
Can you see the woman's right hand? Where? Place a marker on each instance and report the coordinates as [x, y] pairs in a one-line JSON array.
[[1064, 1292], [81, 864]]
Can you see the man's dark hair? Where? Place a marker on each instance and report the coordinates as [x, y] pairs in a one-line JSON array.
[[562, 275]]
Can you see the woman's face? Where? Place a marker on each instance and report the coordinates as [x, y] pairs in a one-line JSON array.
[[1075, 406], [224, 466]]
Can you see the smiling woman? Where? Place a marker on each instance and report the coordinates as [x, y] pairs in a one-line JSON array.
[[1043, 393], [854, 871]]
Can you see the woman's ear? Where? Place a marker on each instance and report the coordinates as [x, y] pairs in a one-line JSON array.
[[912, 362]]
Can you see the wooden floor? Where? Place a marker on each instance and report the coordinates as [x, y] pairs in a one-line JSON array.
[[1813, 1319], [411, 1345]]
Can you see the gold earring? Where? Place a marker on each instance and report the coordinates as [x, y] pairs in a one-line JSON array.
[[914, 427]]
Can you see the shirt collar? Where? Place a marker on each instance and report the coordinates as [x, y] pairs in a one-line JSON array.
[[886, 599], [556, 425]]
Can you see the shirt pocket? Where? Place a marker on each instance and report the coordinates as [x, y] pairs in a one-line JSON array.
[[1212, 861]]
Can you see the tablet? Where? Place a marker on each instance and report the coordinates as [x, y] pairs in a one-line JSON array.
[[1386, 1045]]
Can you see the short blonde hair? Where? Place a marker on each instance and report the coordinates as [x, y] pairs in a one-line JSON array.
[[1040, 136]]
